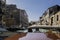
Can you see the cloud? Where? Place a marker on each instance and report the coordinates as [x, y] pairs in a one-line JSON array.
[[10, 1]]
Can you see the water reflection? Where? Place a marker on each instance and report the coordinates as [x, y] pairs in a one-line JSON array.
[[47, 35], [35, 36]]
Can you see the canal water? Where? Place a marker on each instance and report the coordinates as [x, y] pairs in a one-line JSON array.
[[35, 36], [39, 36]]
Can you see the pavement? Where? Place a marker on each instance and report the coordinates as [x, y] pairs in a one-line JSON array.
[[1, 38], [8, 33], [20, 35], [54, 36], [58, 35], [16, 36]]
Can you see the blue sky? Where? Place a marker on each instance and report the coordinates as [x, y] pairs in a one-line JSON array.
[[34, 8]]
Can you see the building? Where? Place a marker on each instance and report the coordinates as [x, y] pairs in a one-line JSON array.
[[2, 9], [2, 6], [23, 19], [44, 19], [8, 16], [50, 16], [54, 15], [15, 17], [13, 12]]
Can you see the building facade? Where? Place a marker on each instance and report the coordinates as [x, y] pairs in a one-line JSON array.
[[51, 16], [55, 16], [8, 18], [54, 11], [44, 19], [15, 17], [23, 19], [2, 10]]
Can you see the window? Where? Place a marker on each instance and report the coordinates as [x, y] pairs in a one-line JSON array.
[[52, 21], [51, 11], [37, 29], [11, 16], [57, 17]]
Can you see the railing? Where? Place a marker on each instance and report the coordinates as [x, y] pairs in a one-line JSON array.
[[45, 26]]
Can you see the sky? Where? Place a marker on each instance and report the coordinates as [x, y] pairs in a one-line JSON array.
[[34, 8]]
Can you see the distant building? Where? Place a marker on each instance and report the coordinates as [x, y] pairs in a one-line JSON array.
[[34, 23], [50, 16], [23, 19]]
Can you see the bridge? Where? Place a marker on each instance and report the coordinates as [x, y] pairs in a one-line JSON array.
[[37, 26], [55, 27]]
